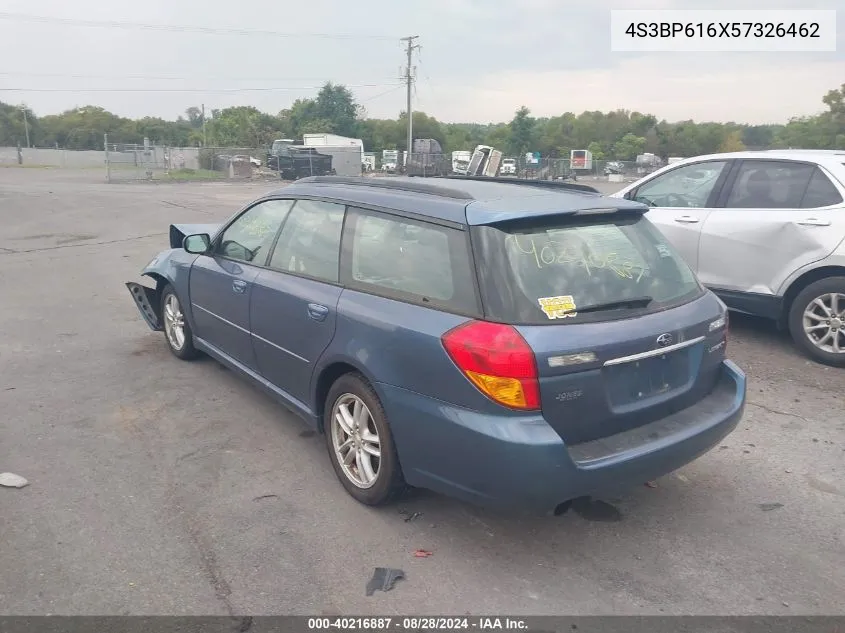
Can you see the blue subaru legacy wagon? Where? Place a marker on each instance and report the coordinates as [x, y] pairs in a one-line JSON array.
[[516, 344]]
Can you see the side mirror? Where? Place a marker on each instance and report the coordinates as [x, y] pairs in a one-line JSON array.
[[198, 244]]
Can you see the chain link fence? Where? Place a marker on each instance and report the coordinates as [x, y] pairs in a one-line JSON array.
[[282, 161], [133, 163], [518, 167], [152, 162]]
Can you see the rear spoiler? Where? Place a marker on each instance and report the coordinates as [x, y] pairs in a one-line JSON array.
[[178, 232], [521, 217], [528, 182]]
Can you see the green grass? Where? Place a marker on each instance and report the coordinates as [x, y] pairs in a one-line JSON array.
[[193, 174]]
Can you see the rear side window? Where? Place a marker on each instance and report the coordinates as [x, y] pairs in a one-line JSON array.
[[547, 273], [770, 184], [410, 261], [820, 192]]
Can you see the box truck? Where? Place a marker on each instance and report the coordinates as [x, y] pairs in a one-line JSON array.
[[460, 162], [427, 159]]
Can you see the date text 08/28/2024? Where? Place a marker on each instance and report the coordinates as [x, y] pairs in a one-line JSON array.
[[417, 623]]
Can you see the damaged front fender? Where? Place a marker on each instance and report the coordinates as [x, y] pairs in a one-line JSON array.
[[147, 301], [168, 267]]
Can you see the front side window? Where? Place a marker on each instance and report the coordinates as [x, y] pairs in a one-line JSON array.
[[769, 184], [250, 236], [412, 261], [688, 186], [575, 271], [309, 243]]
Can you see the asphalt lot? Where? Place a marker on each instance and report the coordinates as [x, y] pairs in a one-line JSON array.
[[150, 478]]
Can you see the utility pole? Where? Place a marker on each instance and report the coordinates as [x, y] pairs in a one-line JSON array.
[[409, 81], [26, 125], [204, 139]]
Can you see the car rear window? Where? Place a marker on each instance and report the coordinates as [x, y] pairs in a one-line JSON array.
[[545, 274]]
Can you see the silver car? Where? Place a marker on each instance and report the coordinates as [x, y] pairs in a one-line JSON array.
[[764, 230]]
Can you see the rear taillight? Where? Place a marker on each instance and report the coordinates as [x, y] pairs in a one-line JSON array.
[[497, 360]]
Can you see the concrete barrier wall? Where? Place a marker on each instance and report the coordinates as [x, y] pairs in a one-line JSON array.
[[158, 157], [53, 157]]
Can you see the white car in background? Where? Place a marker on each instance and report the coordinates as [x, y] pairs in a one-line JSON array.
[[765, 231]]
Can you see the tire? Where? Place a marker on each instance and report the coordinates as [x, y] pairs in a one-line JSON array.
[[823, 290], [170, 303], [388, 484]]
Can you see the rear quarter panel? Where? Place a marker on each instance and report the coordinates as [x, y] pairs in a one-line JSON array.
[[398, 344]]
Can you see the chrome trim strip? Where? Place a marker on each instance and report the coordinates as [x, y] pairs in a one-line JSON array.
[[263, 340], [220, 318], [280, 348], [655, 352]]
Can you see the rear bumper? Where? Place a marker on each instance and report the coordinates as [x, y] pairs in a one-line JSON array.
[[146, 299], [520, 462]]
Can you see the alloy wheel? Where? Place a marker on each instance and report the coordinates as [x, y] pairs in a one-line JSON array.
[[824, 322], [356, 441], [174, 323]]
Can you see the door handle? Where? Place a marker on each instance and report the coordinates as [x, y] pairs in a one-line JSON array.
[[317, 312], [814, 222], [686, 219], [239, 286]]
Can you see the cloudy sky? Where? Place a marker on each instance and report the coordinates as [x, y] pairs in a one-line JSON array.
[[480, 59]]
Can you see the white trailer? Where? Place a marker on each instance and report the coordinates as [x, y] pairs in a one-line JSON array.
[[317, 140], [347, 153], [580, 160]]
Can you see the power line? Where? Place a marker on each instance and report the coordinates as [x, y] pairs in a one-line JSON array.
[[160, 77], [177, 90], [382, 94], [22, 17]]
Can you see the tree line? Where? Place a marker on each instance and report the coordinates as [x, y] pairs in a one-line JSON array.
[[618, 135]]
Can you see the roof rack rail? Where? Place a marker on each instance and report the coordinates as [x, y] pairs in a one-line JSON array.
[[390, 183], [797, 150], [528, 182]]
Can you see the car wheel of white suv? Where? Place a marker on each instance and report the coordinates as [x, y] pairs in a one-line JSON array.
[[817, 321]]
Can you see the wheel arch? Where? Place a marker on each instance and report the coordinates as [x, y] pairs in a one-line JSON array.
[[326, 377], [809, 277], [161, 281]]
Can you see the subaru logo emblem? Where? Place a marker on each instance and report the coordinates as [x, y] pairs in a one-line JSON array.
[[664, 340]]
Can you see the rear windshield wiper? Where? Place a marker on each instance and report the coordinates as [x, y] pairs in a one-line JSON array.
[[633, 302]]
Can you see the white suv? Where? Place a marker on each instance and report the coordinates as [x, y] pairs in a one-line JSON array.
[[763, 230]]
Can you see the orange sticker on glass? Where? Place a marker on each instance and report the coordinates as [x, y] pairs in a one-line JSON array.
[[558, 307]]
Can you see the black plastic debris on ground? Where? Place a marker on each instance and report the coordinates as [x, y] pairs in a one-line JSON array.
[[768, 507], [383, 579]]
